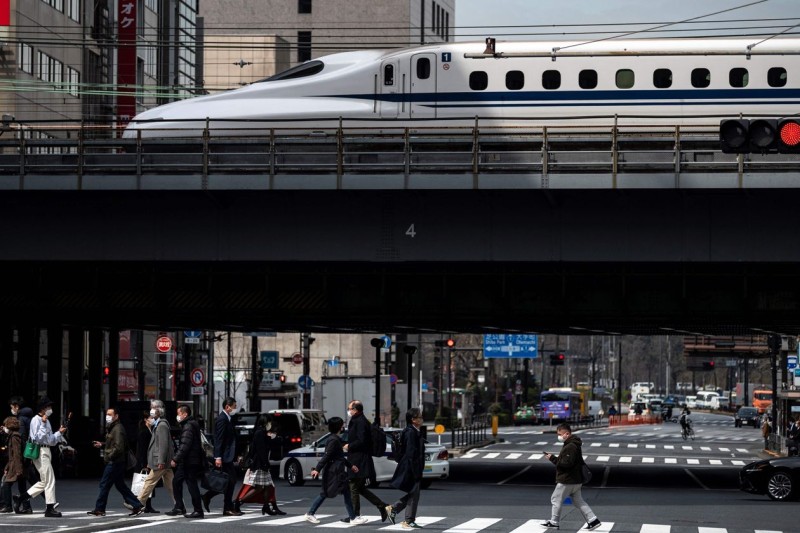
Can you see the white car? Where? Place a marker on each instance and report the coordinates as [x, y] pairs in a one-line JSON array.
[[297, 464]]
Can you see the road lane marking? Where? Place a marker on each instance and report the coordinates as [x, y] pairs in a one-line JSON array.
[[289, 520], [492, 455], [648, 459], [471, 526], [693, 461], [654, 528], [514, 456], [670, 460], [691, 475], [530, 525], [724, 449], [421, 520], [715, 461], [711, 530], [625, 459], [603, 458], [633, 445], [738, 463]]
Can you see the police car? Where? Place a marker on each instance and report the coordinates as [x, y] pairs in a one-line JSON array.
[[297, 464]]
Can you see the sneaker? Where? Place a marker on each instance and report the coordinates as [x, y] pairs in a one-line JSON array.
[[552, 525], [383, 510], [359, 520], [96, 513], [311, 518], [127, 506], [594, 524], [390, 514], [136, 512], [410, 525]]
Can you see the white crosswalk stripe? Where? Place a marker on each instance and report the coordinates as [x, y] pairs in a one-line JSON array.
[[473, 526]]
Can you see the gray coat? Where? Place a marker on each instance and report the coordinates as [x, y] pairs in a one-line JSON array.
[[160, 450]]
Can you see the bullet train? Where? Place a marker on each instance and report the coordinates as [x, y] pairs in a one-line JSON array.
[[653, 81]]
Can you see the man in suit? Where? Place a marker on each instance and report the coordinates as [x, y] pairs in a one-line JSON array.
[[160, 452], [224, 455], [359, 452]]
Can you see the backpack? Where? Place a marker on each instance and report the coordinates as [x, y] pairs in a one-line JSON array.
[[378, 441], [398, 447]]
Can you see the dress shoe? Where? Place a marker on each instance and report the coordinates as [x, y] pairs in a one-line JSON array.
[[137, 511], [207, 501], [176, 512], [6, 509], [96, 513], [267, 509], [150, 510], [232, 512], [384, 513], [275, 510], [50, 512], [196, 514]]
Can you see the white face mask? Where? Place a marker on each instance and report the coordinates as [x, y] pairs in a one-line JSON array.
[[5, 429], [153, 413], [109, 419], [233, 411], [14, 411], [561, 438], [49, 412], [179, 419]]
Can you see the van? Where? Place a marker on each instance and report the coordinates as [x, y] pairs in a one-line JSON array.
[[704, 398], [720, 403], [312, 422]]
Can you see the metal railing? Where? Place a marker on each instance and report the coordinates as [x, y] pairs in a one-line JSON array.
[[470, 435], [548, 152]]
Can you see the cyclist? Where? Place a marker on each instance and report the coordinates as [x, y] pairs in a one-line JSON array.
[[686, 422]]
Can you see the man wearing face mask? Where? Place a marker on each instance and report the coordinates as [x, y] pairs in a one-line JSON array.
[[159, 453], [224, 455], [42, 434], [569, 479], [24, 414], [189, 464], [115, 455]]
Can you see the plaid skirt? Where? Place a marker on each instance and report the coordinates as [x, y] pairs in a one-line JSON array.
[[262, 478]]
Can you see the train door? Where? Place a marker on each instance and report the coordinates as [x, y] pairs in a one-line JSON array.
[[390, 88], [423, 86]]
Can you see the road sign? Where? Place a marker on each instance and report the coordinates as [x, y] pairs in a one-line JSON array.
[[163, 344], [192, 337], [269, 359], [198, 391], [198, 377], [392, 379], [297, 358], [387, 342], [505, 346], [791, 362], [305, 382], [424, 387], [270, 381]]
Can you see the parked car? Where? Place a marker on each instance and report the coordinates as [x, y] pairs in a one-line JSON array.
[[526, 414], [287, 428], [720, 403], [691, 402], [296, 466], [778, 478], [313, 423], [746, 415]]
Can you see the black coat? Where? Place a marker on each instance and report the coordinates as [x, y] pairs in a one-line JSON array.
[[332, 467], [190, 450], [412, 464], [359, 446], [142, 442], [260, 449], [224, 438]]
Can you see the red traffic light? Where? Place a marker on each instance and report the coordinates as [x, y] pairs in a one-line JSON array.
[[557, 359], [106, 371], [450, 343], [789, 136]]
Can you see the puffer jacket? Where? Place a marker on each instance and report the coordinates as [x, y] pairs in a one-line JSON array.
[[569, 462], [190, 450]]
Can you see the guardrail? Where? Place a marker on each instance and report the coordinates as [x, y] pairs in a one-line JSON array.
[[469, 435], [543, 151]]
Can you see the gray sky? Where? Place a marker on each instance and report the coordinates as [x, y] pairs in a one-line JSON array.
[[477, 19]]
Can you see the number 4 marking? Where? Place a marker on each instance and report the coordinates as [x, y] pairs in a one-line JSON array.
[[411, 232]]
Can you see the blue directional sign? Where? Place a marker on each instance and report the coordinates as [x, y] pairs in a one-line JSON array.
[[791, 362], [387, 342], [192, 337], [505, 346], [305, 382], [269, 359]]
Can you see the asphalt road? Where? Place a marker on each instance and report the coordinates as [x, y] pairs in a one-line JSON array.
[[510, 492]]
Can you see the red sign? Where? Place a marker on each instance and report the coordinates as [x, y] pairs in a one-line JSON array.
[[297, 359], [5, 12], [126, 61], [198, 377], [163, 344]]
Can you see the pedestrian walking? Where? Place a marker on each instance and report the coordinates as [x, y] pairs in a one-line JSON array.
[[225, 455], [766, 429], [258, 459], [189, 464], [29, 475], [160, 452], [42, 434], [569, 479], [359, 451], [13, 469], [334, 466], [115, 456], [408, 474]]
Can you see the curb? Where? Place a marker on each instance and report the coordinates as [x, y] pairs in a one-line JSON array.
[[456, 452]]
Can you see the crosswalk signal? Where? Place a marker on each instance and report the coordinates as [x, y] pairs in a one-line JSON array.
[[106, 372], [788, 138], [557, 359], [708, 365]]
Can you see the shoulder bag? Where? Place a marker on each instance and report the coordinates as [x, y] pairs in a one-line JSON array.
[[586, 474], [31, 450]]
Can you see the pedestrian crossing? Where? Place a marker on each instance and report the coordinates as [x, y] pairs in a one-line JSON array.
[[700, 433], [113, 521]]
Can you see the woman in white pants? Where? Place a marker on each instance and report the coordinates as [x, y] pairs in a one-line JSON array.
[[42, 434]]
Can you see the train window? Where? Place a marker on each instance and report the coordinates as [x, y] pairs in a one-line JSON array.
[[423, 68], [625, 78], [701, 78], [662, 78], [551, 79], [515, 80], [388, 74], [300, 71], [478, 80], [738, 77], [587, 79], [776, 77]]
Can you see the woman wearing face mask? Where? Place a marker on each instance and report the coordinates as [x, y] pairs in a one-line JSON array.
[[13, 468], [263, 488], [569, 479], [42, 434]]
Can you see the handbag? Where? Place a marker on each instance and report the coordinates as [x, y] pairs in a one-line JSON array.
[[586, 474], [215, 480], [207, 446], [137, 484], [31, 450]]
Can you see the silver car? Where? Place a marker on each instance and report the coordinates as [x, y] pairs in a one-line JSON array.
[[297, 464]]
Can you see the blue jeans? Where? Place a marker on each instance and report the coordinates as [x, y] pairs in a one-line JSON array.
[[114, 474], [348, 504]]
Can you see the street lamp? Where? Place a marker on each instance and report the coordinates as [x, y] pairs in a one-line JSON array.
[[409, 351], [378, 344]]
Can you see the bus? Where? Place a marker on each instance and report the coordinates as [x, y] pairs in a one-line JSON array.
[[639, 388], [559, 404], [762, 400]]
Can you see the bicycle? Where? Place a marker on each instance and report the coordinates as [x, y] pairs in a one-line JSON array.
[[687, 431]]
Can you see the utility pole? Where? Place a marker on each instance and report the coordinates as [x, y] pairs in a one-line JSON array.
[[378, 344], [306, 340], [619, 378]]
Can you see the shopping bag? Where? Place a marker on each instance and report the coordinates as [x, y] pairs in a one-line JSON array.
[[249, 477], [31, 450], [215, 480], [138, 482]]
